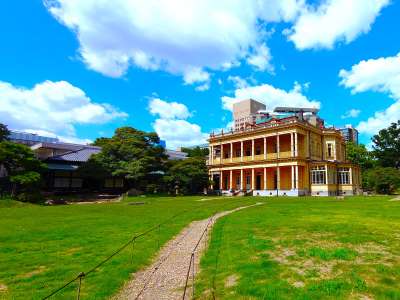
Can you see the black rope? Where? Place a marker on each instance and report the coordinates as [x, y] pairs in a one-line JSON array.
[[132, 240]]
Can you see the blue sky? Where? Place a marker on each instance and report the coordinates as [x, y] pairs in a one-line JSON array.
[[80, 69]]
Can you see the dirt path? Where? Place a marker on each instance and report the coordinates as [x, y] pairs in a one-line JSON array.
[[165, 277]]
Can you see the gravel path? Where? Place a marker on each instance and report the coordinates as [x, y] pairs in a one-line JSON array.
[[165, 277]]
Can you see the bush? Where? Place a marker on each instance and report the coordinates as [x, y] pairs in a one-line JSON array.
[[382, 180]]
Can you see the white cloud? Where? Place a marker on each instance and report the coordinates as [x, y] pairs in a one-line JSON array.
[[380, 120], [334, 21], [379, 75], [271, 97], [261, 58], [352, 113], [238, 81], [168, 110], [179, 133], [177, 36], [52, 106], [172, 125]]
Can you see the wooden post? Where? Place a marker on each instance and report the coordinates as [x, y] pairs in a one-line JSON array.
[[252, 179], [265, 178], [241, 180], [265, 148], [241, 150], [252, 149]]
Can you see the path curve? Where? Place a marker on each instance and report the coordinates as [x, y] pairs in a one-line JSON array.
[[165, 277]]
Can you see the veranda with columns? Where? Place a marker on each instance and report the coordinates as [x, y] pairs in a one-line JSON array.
[[265, 164]]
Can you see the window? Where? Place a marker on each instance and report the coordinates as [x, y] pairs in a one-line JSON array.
[[329, 150], [318, 175], [344, 176]]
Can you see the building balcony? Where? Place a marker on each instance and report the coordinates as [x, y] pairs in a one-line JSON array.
[[259, 157]]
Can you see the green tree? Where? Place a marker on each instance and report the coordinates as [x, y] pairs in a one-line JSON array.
[[133, 155], [196, 151], [189, 175], [22, 169], [387, 146], [358, 154], [4, 132], [383, 180]]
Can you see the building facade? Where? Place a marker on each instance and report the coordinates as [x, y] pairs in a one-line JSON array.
[[246, 113], [288, 156], [350, 134]]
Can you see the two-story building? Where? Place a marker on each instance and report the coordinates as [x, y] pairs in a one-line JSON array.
[[290, 154]]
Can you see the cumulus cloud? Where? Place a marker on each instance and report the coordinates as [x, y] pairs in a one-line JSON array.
[[238, 81], [271, 96], [179, 133], [172, 125], [352, 113], [261, 59], [334, 21], [378, 75], [185, 37], [168, 110], [52, 106]]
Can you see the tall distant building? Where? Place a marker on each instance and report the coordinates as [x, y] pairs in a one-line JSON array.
[[349, 133], [30, 139], [246, 112]]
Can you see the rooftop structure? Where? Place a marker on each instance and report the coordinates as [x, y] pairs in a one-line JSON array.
[[29, 139], [288, 152], [246, 113]]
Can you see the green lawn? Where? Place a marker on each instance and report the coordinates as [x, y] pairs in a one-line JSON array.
[[305, 248], [41, 247]]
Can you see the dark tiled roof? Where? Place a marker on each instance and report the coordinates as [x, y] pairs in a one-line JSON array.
[[79, 155]]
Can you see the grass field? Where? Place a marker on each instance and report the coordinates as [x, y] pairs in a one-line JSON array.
[[305, 248], [41, 247]]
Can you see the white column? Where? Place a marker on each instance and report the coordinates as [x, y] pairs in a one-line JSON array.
[[231, 180], [252, 149], [278, 148], [241, 180], [351, 175], [241, 150], [326, 174], [265, 148], [291, 145], [265, 178], [231, 152], [293, 183], [278, 178], [252, 179], [296, 145], [296, 168]]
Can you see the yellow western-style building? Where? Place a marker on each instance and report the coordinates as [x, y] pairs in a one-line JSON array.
[[287, 153]]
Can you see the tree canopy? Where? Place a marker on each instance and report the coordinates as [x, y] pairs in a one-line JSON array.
[[196, 151], [189, 175], [359, 154], [4, 132], [131, 154], [387, 146], [22, 168]]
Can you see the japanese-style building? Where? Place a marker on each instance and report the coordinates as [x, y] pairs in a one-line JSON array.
[[288, 153]]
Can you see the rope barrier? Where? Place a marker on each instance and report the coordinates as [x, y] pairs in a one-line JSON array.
[[132, 241]]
